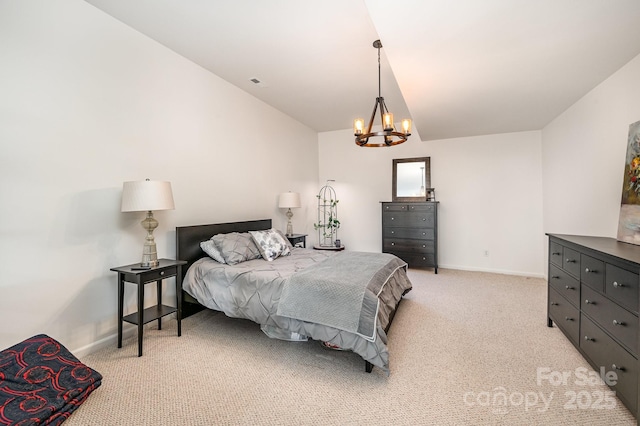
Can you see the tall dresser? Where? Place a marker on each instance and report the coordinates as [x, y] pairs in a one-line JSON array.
[[593, 299], [410, 231]]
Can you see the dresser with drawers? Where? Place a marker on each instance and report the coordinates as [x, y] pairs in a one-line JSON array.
[[593, 298], [410, 231]]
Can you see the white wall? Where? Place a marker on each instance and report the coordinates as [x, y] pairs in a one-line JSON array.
[[88, 103], [489, 189], [584, 156]]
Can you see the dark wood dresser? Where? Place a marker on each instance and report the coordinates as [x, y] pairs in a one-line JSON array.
[[593, 299], [410, 231]]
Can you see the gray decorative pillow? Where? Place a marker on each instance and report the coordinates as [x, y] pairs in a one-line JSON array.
[[271, 244], [210, 248], [236, 247]]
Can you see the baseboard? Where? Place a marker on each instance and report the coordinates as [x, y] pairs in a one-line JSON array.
[[128, 330], [493, 271]]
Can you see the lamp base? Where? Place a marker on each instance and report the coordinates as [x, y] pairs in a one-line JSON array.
[[149, 251], [289, 225]]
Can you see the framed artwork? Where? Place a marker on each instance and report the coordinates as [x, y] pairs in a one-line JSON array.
[[629, 221]]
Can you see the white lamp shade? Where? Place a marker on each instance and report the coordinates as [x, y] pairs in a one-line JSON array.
[[147, 195], [289, 200]]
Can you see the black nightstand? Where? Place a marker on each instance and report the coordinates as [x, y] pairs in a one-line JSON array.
[[167, 268], [297, 238]]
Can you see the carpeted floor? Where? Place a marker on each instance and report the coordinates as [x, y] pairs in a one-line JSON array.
[[466, 348]]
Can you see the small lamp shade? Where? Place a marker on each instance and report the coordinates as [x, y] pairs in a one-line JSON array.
[[289, 200], [147, 195]]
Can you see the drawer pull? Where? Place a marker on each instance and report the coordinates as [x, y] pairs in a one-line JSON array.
[[424, 233], [616, 322], [617, 367], [554, 303], [162, 273], [588, 302], [590, 271], [555, 277], [617, 285], [568, 319], [570, 260], [424, 219], [393, 232], [393, 218], [568, 287], [590, 339], [424, 246], [393, 244], [555, 253]]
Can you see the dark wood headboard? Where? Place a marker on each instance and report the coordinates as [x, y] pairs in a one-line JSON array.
[[188, 238]]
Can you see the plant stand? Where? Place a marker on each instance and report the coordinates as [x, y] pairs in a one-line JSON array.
[[328, 223]]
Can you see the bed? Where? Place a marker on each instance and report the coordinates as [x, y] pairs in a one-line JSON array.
[[345, 300]]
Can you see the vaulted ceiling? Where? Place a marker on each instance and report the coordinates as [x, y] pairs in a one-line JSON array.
[[456, 67]]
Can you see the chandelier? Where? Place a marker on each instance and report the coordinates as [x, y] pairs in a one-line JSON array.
[[389, 134]]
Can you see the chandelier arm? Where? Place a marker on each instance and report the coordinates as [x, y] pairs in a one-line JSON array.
[[373, 116]]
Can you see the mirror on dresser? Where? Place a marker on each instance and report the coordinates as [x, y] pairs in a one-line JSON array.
[[412, 179]]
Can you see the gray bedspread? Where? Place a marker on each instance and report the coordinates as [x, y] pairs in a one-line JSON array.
[[253, 290], [340, 292]]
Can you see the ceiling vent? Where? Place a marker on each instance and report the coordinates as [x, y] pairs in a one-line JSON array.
[[257, 82]]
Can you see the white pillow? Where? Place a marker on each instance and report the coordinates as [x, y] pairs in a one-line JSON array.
[[271, 243]]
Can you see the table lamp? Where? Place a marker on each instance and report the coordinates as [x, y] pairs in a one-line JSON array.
[[289, 200], [147, 195]]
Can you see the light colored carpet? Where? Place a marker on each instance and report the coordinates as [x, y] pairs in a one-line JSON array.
[[462, 344]]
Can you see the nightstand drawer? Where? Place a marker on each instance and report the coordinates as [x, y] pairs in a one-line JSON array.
[[619, 322], [564, 314], [592, 272], [565, 285], [160, 274], [622, 286]]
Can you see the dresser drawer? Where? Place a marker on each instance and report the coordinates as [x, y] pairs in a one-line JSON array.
[[565, 284], [409, 246], [571, 261], [411, 233], [421, 207], [564, 314], [622, 286], [555, 253], [402, 207], [414, 219], [592, 272], [603, 351], [417, 260], [619, 322]]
